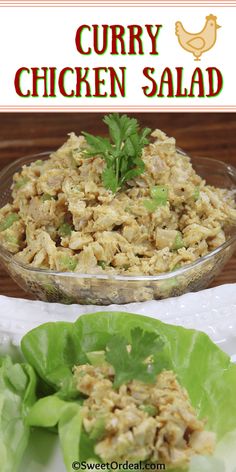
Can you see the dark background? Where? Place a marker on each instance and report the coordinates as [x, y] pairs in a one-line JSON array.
[[200, 134]]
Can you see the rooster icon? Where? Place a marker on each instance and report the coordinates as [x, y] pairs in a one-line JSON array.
[[198, 43]]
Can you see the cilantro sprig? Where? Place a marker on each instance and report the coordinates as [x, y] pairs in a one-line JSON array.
[[140, 362], [121, 152]]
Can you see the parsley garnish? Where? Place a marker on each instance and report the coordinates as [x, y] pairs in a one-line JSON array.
[[140, 362], [121, 152]]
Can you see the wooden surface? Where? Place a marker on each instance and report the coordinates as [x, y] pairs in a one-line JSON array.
[[203, 134]]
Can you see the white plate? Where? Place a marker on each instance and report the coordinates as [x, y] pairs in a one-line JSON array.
[[212, 311]]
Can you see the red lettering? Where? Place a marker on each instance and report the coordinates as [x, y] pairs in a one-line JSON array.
[[82, 79], [98, 81], [135, 33], [52, 80], [197, 79], [146, 72], [17, 82], [118, 32], [168, 80], [61, 81], [103, 48], [116, 81], [35, 81], [214, 92], [153, 37], [78, 39], [179, 92]]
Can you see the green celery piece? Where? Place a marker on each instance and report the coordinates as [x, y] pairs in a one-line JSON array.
[[10, 238], [178, 242], [98, 430], [168, 285], [128, 209], [175, 267], [151, 410], [102, 264], [50, 289], [160, 194], [150, 205], [39, 162], [68, 262], [196, 193], [126, 266], [46, 196], [8, 221], [21, 182], [96, 358], [65, 230]]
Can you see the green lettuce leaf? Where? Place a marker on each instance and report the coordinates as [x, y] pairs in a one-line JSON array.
[[52, 411], [218, 463], [17, 395], [201, 367], [53, 349]]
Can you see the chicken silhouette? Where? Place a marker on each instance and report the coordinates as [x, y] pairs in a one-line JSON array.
[[198, 43]]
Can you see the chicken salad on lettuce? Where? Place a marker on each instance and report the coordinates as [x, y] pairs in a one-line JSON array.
[[125, 386]]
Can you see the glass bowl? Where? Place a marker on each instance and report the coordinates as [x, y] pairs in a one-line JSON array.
[[70, 287]]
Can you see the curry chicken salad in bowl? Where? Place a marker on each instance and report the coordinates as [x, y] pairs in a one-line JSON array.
[[119, 219]]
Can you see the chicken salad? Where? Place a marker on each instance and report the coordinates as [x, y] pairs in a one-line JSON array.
[[138, 421], [141, 210], [129, 388]]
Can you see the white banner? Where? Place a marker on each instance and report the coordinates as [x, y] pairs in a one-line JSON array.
[[94, 57]]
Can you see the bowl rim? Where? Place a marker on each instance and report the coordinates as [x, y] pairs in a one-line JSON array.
[[7, 256]]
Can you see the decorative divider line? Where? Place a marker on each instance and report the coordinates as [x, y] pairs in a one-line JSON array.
[[145, 109], [117, 3]]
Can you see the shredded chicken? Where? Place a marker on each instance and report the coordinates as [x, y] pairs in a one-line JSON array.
[[67, 220], [141, 422]]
